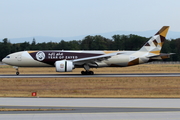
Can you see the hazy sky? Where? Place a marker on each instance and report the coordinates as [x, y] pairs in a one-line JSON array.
[[67, 18]]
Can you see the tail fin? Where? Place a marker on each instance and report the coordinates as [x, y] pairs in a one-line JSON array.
[[154, 45]]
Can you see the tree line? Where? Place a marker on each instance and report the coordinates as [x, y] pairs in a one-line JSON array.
[[117, 42]]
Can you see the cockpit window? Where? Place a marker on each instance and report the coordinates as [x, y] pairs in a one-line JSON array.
[[7, 56]]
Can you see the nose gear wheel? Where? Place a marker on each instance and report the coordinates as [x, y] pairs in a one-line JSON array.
[[17, 70]]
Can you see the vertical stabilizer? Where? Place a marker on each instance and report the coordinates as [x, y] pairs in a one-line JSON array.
[[154, 45]]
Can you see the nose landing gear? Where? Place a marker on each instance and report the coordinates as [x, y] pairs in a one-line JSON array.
[[17, 70], [17, 73]]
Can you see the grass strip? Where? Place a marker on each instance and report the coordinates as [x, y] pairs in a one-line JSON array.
[[148, 87]]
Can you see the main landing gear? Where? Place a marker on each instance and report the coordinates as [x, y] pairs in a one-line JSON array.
[[87, 72]]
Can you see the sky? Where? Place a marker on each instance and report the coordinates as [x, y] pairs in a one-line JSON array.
[[68, 18]]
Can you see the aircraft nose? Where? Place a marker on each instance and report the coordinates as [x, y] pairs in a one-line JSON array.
[[4, 60]]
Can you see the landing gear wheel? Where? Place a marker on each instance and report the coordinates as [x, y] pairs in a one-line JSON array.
[[91, 73], [83, 72], [87, 72], [17, 73], [17, 70]]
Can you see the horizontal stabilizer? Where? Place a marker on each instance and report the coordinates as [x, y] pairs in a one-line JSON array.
[[162, 56]]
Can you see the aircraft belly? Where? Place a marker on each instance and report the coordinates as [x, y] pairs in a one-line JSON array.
[[117, 61], [102, 64], [27, 62]]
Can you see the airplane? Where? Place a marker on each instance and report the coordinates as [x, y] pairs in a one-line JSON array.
[[66, 61]]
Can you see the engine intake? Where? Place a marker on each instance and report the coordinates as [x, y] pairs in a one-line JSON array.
[[64, 66]]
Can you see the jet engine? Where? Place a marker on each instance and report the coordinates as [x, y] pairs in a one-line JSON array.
[[64, 66]]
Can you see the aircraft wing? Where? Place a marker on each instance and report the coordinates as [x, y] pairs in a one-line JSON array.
[[97, 58]]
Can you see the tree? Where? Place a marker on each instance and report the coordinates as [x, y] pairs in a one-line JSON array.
[[86, 42], [5, 48], [25, 46]]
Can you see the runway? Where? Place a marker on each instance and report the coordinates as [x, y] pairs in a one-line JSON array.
[[90, 108], [95, 75]]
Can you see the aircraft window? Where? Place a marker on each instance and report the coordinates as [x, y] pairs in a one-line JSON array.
[[7, 56]]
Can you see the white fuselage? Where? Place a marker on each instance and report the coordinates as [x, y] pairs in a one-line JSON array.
[[26, 58]]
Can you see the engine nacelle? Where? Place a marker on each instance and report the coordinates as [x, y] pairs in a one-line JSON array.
[[64, 66]]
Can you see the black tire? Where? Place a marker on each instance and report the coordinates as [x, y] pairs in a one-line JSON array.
[[87, 72], [17, 73], [83, 73], [91, 73]]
